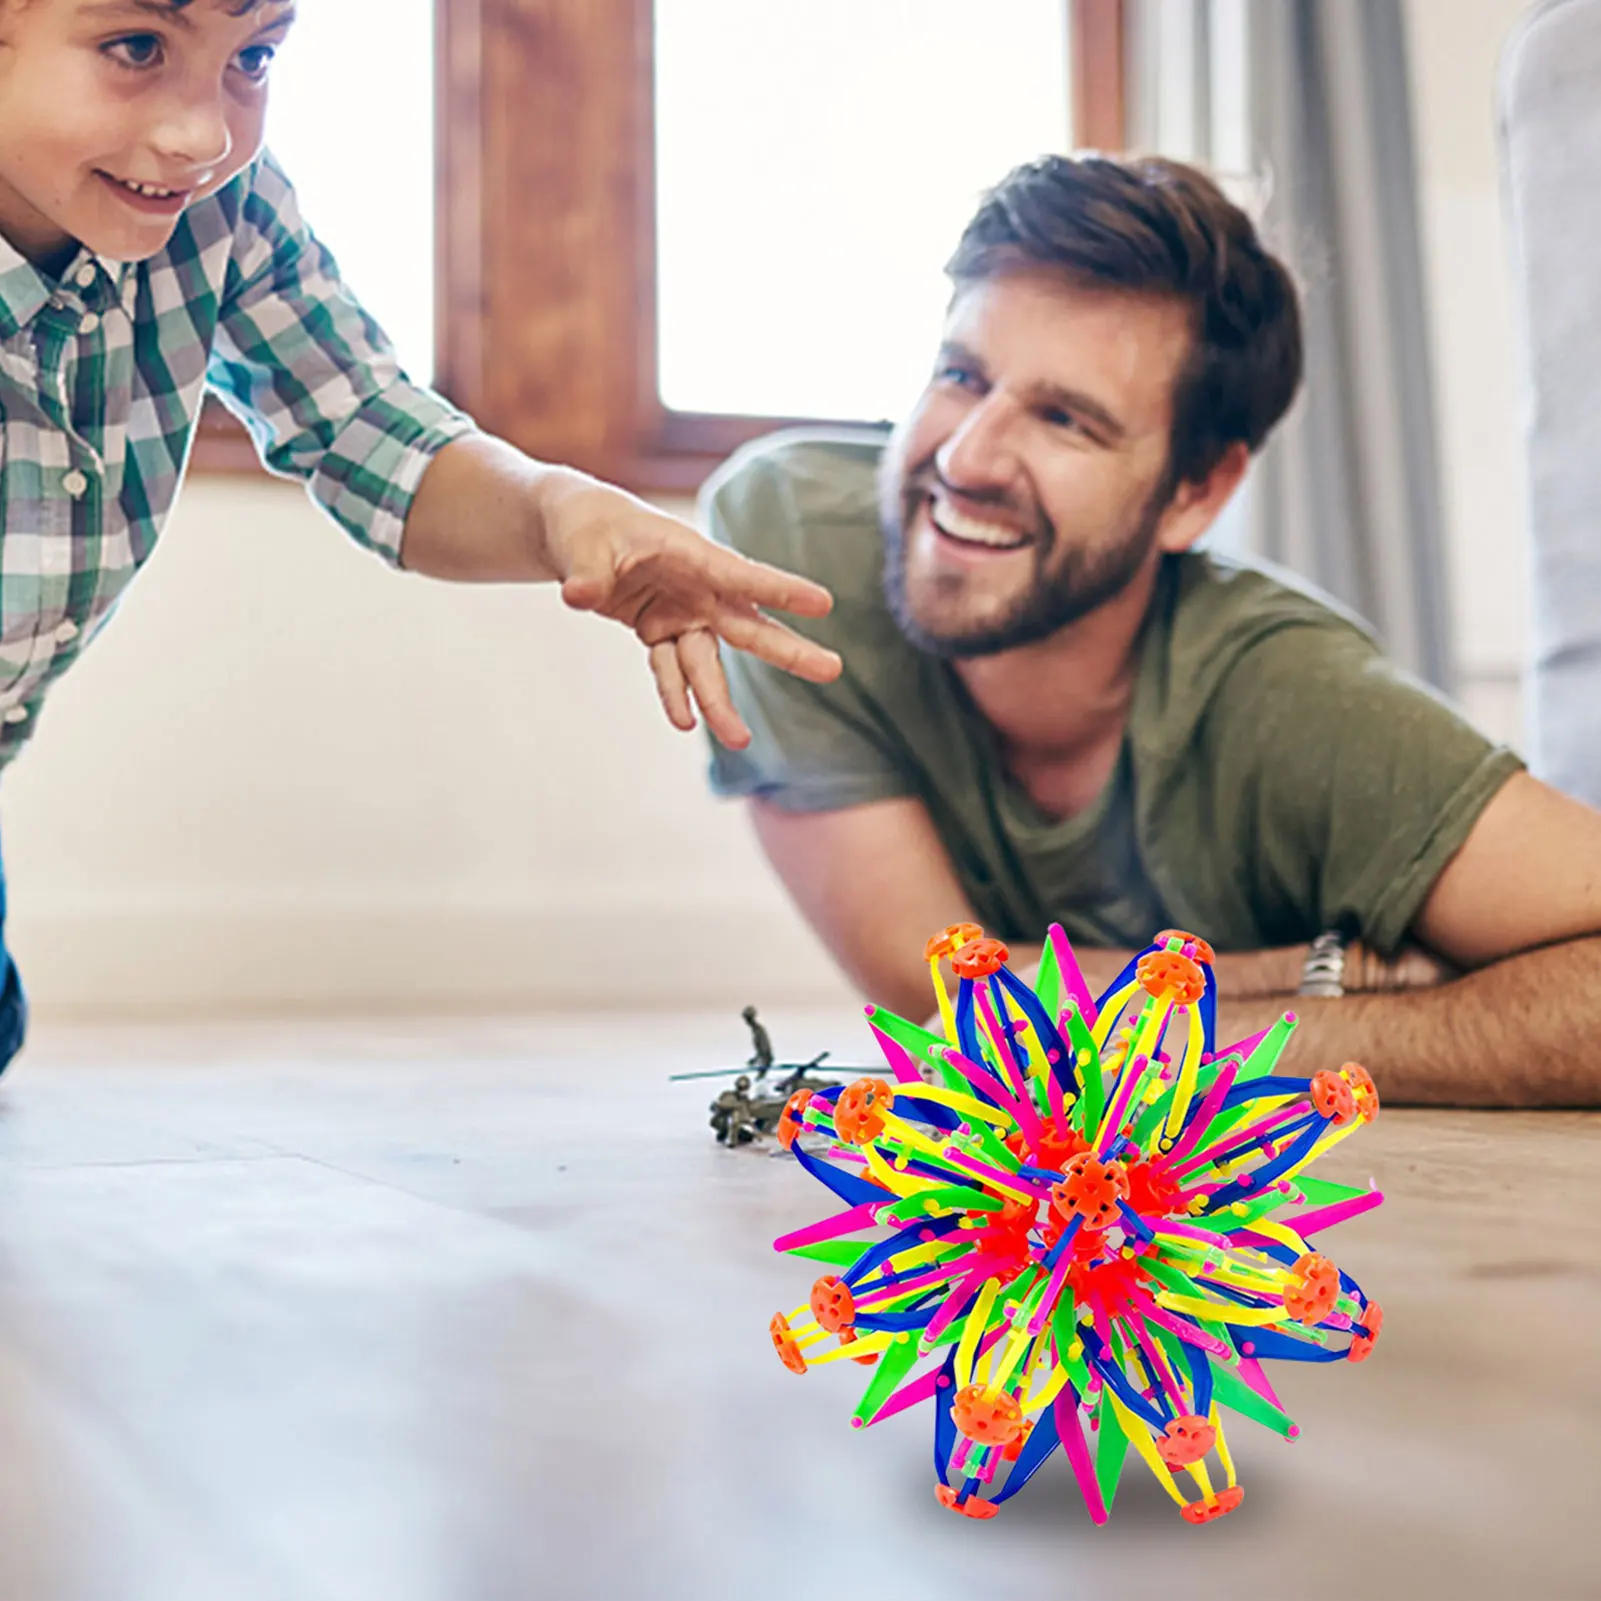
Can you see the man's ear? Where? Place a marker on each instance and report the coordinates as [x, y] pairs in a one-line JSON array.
[[1196, 502]]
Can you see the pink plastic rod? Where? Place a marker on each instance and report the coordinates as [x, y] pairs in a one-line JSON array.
[[830, 1228], [896, 1054], [1325, 1217], [1078, 1453], [1203, 1118], [921, 1389], [1072, 973]]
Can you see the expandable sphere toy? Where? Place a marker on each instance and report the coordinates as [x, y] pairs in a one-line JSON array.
[[1089, 1230]]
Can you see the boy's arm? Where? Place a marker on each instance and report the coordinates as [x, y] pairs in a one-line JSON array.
[[485, 512], [322, 393]]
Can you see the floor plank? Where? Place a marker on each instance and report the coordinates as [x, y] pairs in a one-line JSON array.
[[468, 1310]]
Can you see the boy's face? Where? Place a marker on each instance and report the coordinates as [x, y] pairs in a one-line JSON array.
[[117, 114]]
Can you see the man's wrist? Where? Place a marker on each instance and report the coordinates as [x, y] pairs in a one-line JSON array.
[[1323, 972]]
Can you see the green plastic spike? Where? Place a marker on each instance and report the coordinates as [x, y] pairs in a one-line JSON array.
[[839, 1252], [893, 1366], [957, 1196], [1111, 1447], [1233, 1392]]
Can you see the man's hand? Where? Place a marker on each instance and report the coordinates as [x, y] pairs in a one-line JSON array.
[[485, 512]]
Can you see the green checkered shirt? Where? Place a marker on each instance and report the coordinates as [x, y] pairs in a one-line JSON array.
[[102, 375]]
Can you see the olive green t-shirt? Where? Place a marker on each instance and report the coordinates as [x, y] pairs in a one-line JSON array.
[[1277, 777]]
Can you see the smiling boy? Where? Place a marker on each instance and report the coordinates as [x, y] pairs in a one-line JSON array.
[[150, 250]]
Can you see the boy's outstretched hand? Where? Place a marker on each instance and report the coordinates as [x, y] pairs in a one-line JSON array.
[[485, 511], [681, 594]]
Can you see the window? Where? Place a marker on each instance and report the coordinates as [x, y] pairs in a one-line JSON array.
[[798, 264], [368, 195], [369, 199], [545, 252]]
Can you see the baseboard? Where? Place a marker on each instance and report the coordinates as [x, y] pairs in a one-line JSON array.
[[244, 960]]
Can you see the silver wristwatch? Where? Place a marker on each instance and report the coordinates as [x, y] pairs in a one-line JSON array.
[[1324, 971]]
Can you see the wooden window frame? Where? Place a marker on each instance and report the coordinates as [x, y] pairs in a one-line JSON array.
[[546, 234]]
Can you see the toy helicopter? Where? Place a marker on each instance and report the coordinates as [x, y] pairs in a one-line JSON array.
[[739, 1115]]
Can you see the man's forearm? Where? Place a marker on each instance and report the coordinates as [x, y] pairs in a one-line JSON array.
[[1514, 1034], [1241, 975]]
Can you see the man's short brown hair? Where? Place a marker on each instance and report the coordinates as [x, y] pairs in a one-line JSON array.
[[1152, 226]]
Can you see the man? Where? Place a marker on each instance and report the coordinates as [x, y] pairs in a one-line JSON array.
[[1053, 707]]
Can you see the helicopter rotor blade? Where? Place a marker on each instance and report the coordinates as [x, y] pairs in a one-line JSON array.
[[778, 1070]]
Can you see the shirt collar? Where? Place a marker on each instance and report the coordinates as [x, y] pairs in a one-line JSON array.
[[25, 291]]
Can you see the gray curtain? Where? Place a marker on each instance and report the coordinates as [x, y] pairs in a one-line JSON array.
[[1348, 492], [1551, 158]]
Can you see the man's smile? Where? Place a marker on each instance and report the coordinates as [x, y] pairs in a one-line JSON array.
[[963, 528]]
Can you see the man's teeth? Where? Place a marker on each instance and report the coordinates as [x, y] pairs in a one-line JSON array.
[[970, 530], [148, 190]]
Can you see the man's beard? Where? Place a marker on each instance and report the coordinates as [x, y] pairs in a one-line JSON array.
[[1082, 582]]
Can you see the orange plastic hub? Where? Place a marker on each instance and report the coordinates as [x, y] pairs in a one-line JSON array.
[[1168, 973], [1214, 1507], [832, 1303], [1054, 1149], [987, 1419], [1185, 1440], [789, 1122], [972, 1507], [1003, 1237], [1314, 1288], [1152, 1191], [1113, 1283], [1015, 1449], [1372, 1320], [859, 1111], [1091, 1189], [980, 959], [1363, 1089], [1199, 949], [950, 940], [1334, 1098], [789, 1353]]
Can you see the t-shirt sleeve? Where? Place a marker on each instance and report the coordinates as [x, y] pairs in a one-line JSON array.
[[1347, 784], [814, 747]]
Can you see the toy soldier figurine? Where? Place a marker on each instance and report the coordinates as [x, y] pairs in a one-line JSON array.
[[762, 1056], [733, 1114]]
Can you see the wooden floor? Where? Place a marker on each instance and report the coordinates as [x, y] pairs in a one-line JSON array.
[[462, 1311]]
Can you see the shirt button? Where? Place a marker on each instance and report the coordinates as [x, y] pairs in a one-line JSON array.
[[91, 321], [74, 483], [86, 275], [17, 714], [66, 632]]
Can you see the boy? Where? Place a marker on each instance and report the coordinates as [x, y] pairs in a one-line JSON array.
[[148, 250]]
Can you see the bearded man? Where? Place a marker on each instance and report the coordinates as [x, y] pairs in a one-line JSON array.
[[1054, 707]]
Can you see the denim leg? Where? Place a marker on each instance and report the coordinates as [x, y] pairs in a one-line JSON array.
[[13, 1003]]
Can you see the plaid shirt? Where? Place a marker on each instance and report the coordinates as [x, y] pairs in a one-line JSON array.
[[101, 381]]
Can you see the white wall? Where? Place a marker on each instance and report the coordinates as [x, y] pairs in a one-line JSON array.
[[1454, 46], [285, 773]]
